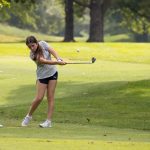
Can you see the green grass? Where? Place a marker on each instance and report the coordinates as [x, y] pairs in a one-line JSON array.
[[118, 38], [105, 104], [12, 34], [127, 52], [38, 144]]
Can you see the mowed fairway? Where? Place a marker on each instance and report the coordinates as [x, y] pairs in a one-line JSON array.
[[38, 144], [105, 105]]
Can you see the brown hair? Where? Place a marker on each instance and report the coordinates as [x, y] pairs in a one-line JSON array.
[[39, 51]]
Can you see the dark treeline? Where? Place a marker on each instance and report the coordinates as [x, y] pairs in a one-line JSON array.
[[70, 18]]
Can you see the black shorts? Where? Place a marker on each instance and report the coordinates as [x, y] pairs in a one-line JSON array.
[[46, 80]]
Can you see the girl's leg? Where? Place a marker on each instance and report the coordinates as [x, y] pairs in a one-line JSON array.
[[40, 91], [50, 97]]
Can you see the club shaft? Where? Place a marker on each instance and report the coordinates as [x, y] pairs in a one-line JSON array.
[[79, 63]]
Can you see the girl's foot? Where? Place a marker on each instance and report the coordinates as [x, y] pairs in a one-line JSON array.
[[46, 124], [26, 121]]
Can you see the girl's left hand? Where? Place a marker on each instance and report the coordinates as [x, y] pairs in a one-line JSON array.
[[59, 59]]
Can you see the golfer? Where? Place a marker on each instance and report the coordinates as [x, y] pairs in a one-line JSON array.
[[40, 53]]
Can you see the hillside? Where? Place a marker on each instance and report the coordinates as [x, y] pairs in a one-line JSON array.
[[13, 34]]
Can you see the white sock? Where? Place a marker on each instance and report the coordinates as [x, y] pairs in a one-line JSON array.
[[48, 120], [28, 116]]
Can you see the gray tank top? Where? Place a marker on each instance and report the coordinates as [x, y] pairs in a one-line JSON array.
[[44, 70]]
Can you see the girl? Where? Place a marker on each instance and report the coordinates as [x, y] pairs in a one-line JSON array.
[[40, 53]]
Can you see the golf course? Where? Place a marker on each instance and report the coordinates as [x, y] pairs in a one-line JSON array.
[[99, 106]]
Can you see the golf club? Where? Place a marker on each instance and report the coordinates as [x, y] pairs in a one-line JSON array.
[[90, 62]]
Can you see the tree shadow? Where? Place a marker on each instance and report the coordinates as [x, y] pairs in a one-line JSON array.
[[121, 104], [21, 95]]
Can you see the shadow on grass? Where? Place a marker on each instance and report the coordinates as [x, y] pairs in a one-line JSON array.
[[115, 104], [22, 95]]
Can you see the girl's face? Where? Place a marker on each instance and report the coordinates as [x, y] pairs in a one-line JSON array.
[[33, 46]]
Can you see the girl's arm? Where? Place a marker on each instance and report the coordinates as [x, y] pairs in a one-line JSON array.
[[54, 53], [50, 62]]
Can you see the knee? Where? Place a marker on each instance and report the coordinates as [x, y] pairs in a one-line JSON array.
[[38, 99]]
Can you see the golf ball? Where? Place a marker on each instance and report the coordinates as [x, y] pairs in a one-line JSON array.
[[1, 126], [78, 50]]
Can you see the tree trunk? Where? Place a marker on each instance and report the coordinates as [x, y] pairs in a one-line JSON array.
[[96, 21], [143, 37], [69, 27]]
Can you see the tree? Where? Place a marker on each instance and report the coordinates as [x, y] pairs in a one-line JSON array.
[[50, 20], [20, 14], [35, 16], [135, 16], [97, 12], [69, 20], [4, 3]]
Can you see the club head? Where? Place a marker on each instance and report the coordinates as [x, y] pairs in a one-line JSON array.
[[87, 62], [93, 59]]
